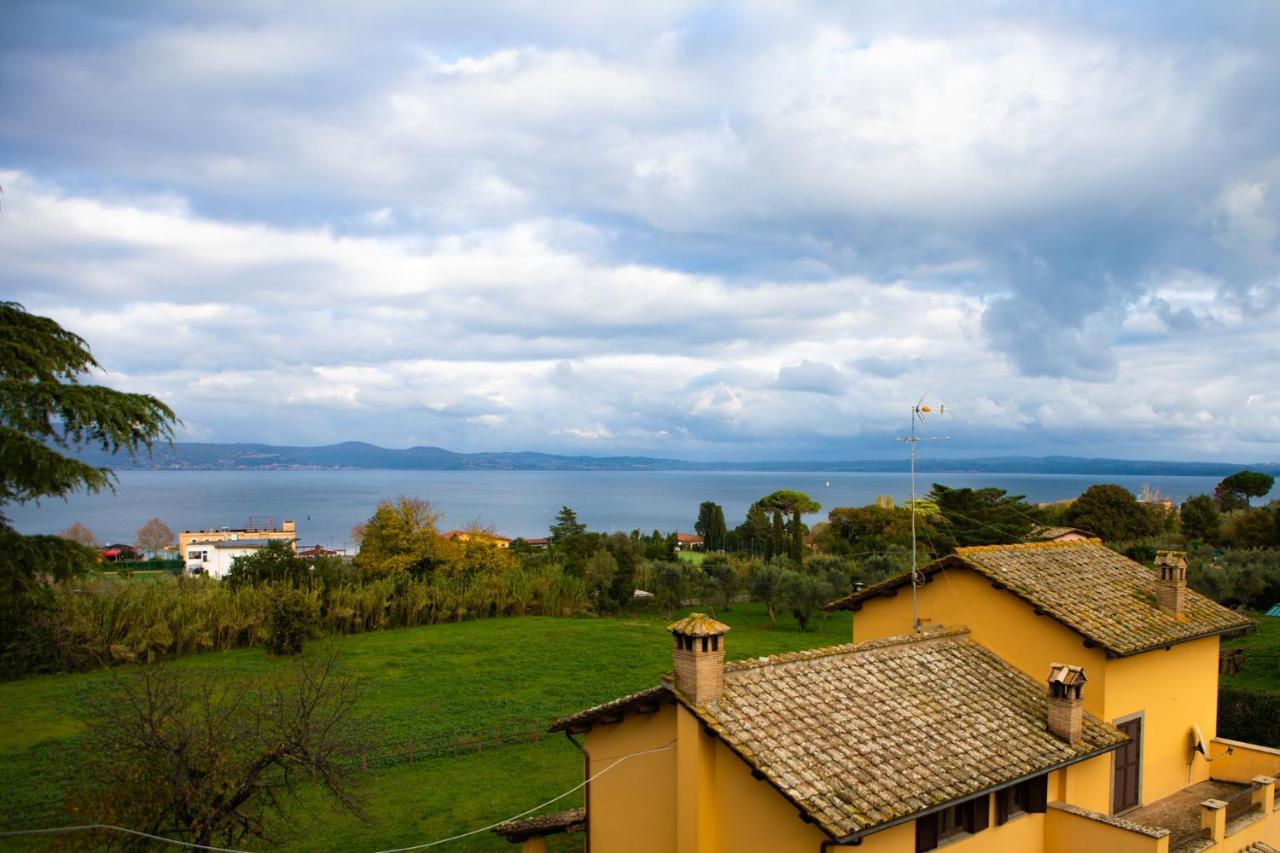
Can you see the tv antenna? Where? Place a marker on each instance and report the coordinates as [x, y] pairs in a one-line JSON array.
[[918, 411]]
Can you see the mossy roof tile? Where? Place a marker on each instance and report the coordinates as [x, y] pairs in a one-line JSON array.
[[1104, 596]]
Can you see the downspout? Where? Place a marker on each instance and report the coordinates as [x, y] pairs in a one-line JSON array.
[[586, 796]]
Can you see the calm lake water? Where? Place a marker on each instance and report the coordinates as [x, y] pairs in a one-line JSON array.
[[326, 504]]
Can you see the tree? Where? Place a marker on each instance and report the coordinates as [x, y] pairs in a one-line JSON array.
[[669, 585], [1243, 485], [628, 553], [723, 580], [1228, 500], [175, 751], [765, 586], [45, 414], [401, 536], [1253, 528], [805, 595], [44, 410], [983, 516], [275, 563], [79, 534], [566, 527], [754, 532], [357, 532], [155, 537], [1111, 512], [710, 525], [598, 572], [794, 504], [1200, 519]]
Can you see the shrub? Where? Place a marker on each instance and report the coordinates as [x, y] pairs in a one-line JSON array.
[[1249, 715], [292, 617]]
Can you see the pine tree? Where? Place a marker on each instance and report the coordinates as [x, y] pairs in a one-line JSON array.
[[45, 415]]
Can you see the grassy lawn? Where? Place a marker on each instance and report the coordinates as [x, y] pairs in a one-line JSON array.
[[1261, 656], [417, 682], [694, 557]]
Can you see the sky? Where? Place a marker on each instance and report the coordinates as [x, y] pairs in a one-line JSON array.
[[696, 230]]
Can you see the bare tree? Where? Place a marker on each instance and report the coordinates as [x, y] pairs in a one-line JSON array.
[[80, 534], [180, 752], [155, 537]]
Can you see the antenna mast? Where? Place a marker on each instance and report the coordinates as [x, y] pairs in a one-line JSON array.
[[918, 411]]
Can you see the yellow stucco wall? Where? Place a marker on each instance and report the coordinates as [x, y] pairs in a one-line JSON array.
[[633, 807], [1070, 833], [1173, 690], [998, 619], [1245, 761], [1087, 784], [752, 817]]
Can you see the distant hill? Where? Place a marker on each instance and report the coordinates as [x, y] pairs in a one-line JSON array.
[[360, 455]]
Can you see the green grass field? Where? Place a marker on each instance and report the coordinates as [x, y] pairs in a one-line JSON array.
[[1261, 656], [694, 557], [420, 683]]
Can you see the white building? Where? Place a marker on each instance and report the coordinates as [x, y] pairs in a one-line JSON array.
[[214, 558]]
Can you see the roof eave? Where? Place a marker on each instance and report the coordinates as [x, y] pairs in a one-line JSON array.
[[937, 807]]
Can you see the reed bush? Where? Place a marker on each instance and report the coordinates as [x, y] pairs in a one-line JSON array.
[[101, 621]]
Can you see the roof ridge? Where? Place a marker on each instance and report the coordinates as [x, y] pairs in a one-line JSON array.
[[940, 633], [1071, 543]]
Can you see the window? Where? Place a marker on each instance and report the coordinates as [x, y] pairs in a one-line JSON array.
[[1018, 799], [1030, 796], [951, 822], [954, 821]]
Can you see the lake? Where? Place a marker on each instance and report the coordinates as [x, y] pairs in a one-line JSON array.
[[326, 504]]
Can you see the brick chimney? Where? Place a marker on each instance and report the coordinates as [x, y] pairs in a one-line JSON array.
[[699, 657], [1171, 581], [1066, 702]]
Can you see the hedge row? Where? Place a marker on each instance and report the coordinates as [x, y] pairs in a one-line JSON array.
[[1249, 715]]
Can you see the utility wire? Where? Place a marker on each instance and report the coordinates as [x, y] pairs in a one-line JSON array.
[[572, 790], [96, 826]]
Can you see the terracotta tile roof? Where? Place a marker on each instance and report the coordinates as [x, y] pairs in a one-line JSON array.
[[613, 710], [1051, 533], [690, 538], [573, 820], [1104, 596], [698, 625], [861, 735], [858, 736]]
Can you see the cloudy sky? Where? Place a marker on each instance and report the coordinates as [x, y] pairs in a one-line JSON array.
[[709, 231]]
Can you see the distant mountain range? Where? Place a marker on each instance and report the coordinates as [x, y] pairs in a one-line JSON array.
[[190, 456]]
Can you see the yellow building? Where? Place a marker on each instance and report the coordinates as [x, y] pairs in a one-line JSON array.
[[481, 536], [1057, 697]]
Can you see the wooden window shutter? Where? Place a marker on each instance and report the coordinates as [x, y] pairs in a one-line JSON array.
[[979, 816], [926, 832], [1038, 794], [1002, 805]]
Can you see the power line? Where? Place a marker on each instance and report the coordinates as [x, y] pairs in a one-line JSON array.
[[527, 812], [436, 843], [96, 826]]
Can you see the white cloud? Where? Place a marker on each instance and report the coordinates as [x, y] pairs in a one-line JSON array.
[[667, 227]]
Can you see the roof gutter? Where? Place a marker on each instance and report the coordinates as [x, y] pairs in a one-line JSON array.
[[854, 837]]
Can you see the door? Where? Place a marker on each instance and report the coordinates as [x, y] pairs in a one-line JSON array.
[[1124, 786]]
